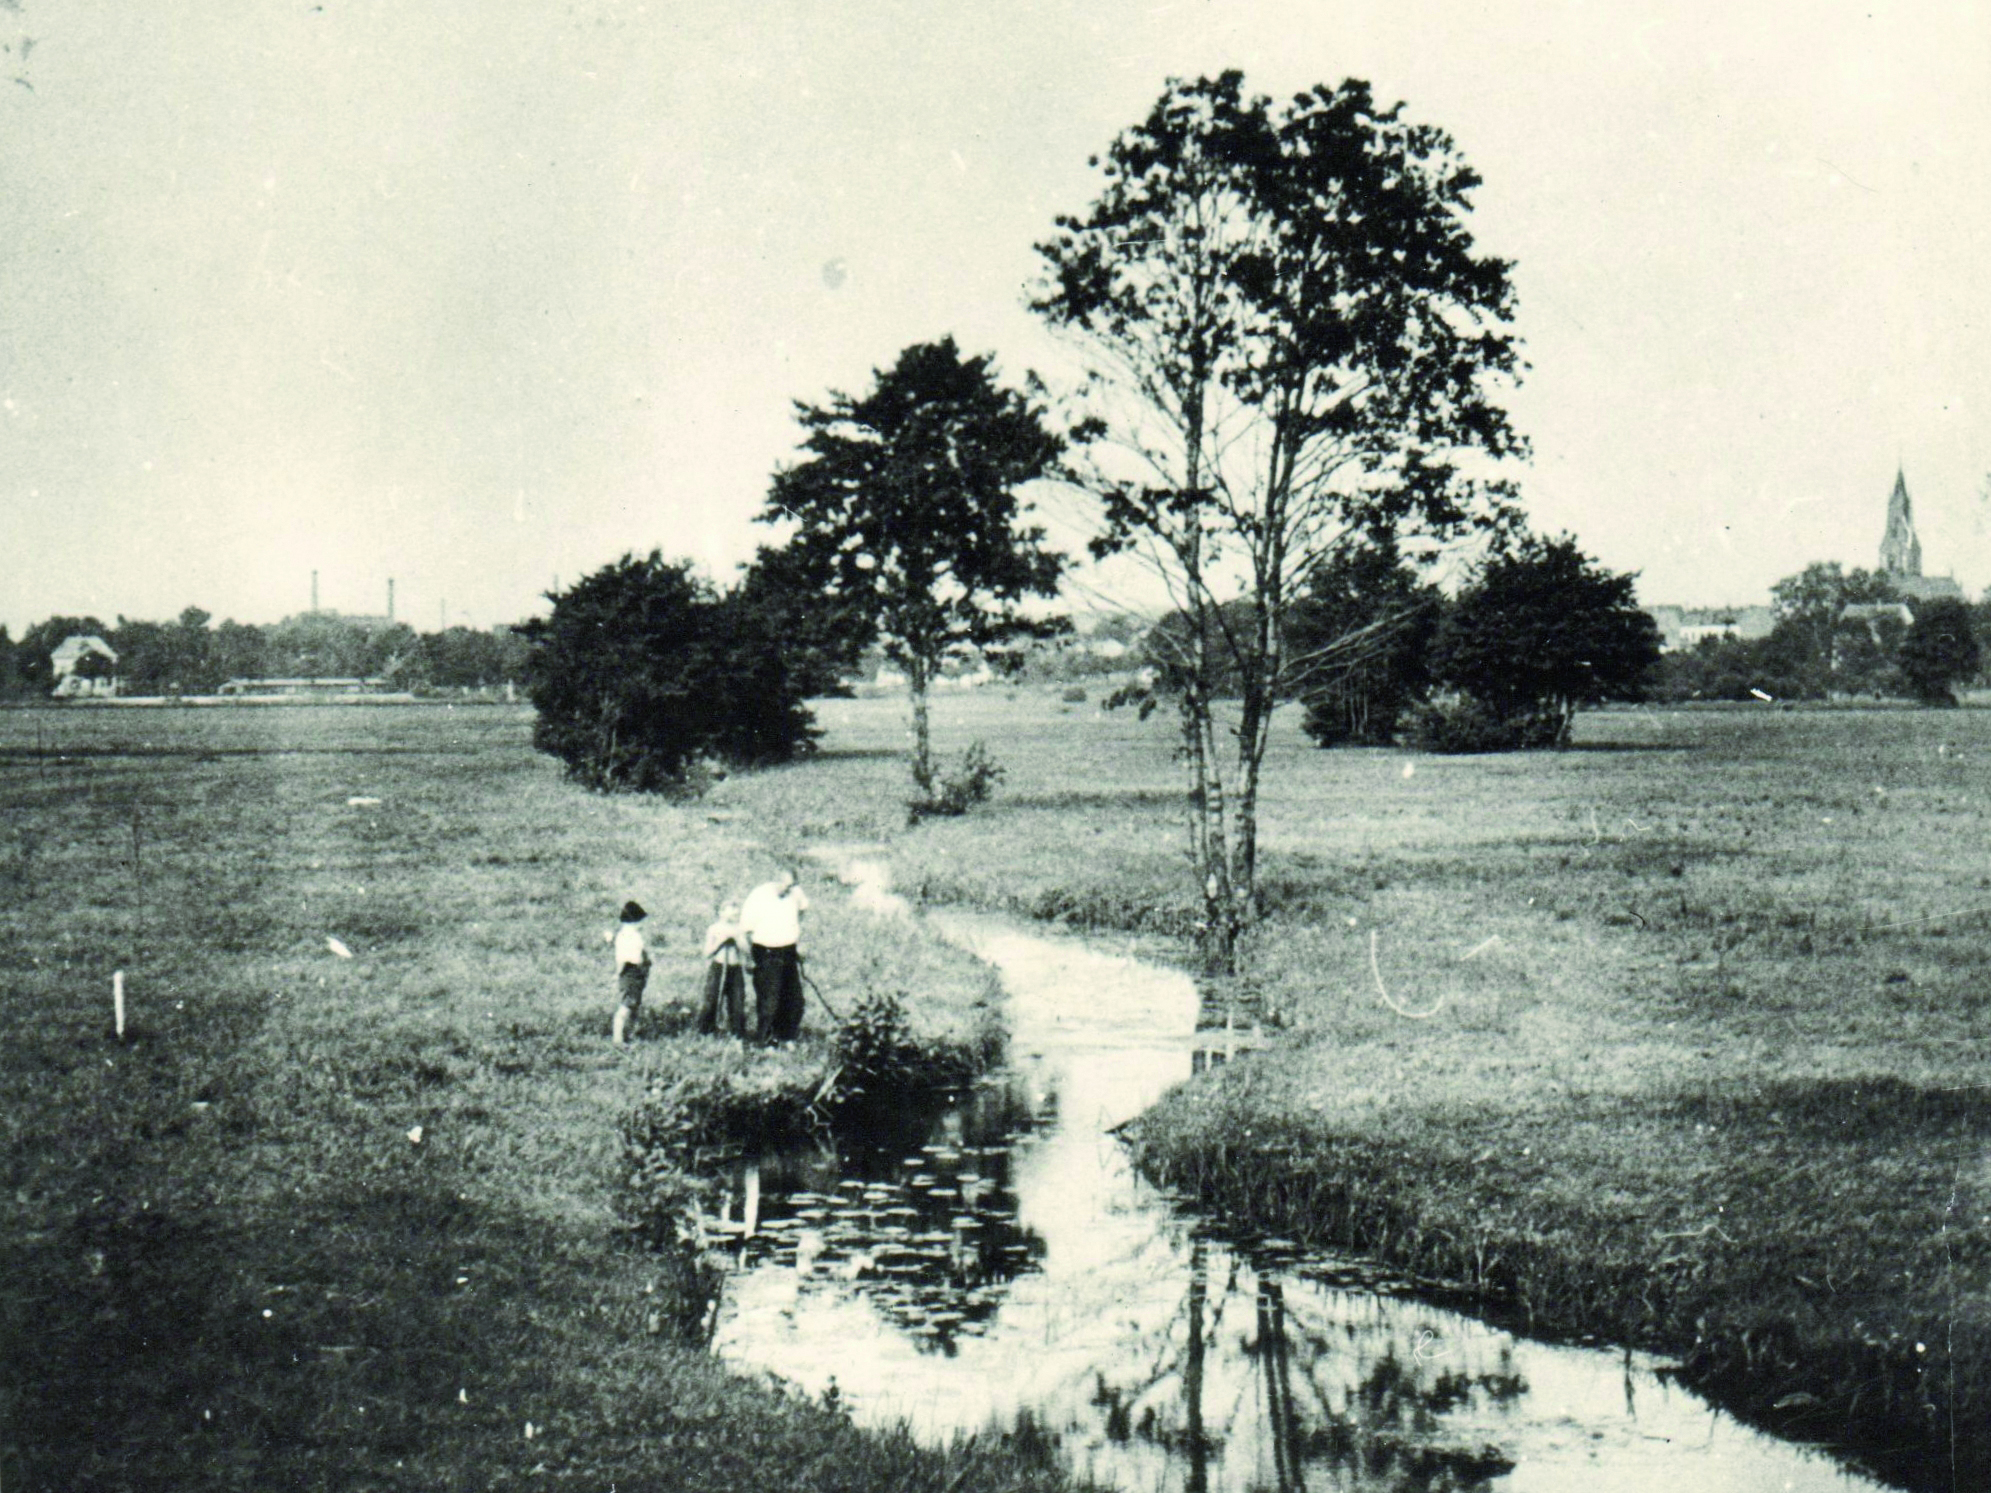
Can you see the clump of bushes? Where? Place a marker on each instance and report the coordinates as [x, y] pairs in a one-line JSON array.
[[644, 673], [959, 791], [1463, 724]]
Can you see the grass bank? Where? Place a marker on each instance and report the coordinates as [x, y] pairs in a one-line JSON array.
[[324, 1221], [1675, 1038]]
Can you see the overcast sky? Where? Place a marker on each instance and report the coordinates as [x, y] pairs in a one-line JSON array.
[[477, 295]]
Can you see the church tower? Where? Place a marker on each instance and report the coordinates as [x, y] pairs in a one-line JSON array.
[[1900, 550]]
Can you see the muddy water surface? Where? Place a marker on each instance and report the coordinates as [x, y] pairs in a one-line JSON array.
[[1004, 1267]]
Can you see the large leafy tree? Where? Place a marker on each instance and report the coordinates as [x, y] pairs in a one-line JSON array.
[[1293, 347], [642, 669], [907, 516], [1940, 651], [1360, 640], [1815, 652], [1542, 631]]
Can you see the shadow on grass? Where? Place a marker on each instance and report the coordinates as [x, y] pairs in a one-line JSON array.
[[1076, 798], [28, 756], [355, 1331], [1860, 1110]]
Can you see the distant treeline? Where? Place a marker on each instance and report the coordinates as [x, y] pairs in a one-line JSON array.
[[192, 655], [1840, 634]]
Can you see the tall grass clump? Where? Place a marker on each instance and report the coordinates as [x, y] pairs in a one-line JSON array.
[[953, 793]]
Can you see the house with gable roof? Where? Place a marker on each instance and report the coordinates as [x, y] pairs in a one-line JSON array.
[[83, 664]]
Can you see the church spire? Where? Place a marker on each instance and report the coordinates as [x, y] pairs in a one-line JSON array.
[[1900, 550]]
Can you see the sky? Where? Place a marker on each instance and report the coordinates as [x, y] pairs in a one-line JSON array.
[[480, 296]]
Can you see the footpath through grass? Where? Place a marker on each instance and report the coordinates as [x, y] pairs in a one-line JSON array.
[[329, 1222], [1675, 1039]]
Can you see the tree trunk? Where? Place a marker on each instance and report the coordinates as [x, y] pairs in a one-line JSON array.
[[917, 678]]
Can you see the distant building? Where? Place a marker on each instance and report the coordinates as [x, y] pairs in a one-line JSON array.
[[315, 685], [1687, 627], [84, 664], [1901, 551]]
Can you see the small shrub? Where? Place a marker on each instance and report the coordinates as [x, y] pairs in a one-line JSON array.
[[1466, 725], [1074, 696], [960, 790], [880, 1058]]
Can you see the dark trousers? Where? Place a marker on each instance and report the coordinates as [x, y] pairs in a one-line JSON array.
[[725, 1005], [777, 994]]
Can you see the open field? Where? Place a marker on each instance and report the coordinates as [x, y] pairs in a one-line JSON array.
[[1677, 1038], [234, 1260]]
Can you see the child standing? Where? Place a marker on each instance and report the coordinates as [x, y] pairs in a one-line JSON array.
[[632, 971], [728, 963]]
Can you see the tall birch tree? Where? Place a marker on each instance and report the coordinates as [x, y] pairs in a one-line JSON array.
[[1292, 346]]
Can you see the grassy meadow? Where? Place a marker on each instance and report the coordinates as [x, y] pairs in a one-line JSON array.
[[354, 1222], [1676, 1038]]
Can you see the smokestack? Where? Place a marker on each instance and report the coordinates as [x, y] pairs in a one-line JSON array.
[[390, 598], [314, 591]]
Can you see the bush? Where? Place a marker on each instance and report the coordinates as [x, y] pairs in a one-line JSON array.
[[1074, 695], [961, 790], [1463, 725], [642, 670], [879, 1058]]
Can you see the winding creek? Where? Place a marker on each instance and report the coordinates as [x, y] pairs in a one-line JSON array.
[[1006, 1268]]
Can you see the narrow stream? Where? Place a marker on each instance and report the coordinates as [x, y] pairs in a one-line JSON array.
[[1005, 1268]]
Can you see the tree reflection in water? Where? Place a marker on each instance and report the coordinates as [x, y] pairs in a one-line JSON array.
[[1350, 1400], [1258, 1379]]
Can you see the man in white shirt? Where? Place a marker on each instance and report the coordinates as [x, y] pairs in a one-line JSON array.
[[771, 917]]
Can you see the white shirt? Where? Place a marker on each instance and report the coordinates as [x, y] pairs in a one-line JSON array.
[[770, 918], [629, 945]]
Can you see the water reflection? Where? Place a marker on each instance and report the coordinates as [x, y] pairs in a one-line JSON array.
[[921, 1225], [1006, 1269]]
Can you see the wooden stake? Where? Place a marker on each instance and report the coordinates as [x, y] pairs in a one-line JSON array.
[[117, 1002]]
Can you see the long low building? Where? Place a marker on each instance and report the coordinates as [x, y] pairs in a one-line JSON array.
[[311, 686]]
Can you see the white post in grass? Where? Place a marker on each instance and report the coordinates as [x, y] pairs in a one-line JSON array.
[[117, 1002]]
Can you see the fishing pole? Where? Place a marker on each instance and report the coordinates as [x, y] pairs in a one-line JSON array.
[[803, 971]]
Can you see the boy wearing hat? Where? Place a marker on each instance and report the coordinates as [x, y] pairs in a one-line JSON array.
[[632, 970]]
